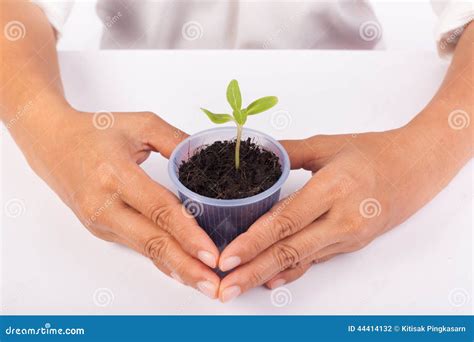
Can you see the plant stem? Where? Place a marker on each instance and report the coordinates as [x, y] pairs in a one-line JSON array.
[[237, 146]]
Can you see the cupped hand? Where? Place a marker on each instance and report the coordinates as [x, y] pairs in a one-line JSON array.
[[92, 162], [362, 185]]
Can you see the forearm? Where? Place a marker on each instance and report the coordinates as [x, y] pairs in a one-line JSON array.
[[438, 142], [32, 96], [447, 118]]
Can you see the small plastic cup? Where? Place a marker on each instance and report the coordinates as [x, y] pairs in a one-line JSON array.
[[225, 219]]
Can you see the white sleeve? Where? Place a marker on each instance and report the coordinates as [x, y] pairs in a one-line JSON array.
[[453, 16], [56, 11]]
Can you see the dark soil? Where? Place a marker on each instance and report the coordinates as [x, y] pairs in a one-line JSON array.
[[211, 170]]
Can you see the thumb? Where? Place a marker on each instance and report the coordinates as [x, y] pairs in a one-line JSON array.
[[313, 153], [300, 152], [160, 135]]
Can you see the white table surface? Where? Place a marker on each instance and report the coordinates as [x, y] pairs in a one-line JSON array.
[[52, 265]]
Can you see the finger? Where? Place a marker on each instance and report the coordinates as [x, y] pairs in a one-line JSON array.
[[301, 153], [145, 237], [160, 135], [287, 276], [164, 209], [106, 232], [323, 254], [325, 258], [284, 254], [312, 153], [292, 274], [170, 273], [288, 217]]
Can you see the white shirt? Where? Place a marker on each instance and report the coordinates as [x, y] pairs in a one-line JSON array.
[[264, 24]]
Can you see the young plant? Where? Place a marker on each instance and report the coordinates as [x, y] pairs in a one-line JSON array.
[[239, 114]]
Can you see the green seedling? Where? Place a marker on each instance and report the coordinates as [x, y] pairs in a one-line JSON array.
[[239, 114]]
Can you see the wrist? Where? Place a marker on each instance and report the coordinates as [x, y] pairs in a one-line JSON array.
[[37, 113], [447, 127], [38, 122]]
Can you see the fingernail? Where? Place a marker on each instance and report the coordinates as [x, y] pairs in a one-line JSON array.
[[277, 283], [230, 293], [230, 263], [176, 277], [208, 258], [207, 288]]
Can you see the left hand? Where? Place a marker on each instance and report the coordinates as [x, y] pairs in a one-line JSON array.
[[362, 185]]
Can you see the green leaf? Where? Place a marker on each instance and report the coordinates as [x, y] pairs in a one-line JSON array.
[[240, 116], [261, 105], [233, 95], [218, 118]]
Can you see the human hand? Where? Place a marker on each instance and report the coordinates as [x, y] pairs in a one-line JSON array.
[[362, 185], [91, 161]]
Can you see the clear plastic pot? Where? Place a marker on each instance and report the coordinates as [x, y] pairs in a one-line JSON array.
[[224, 219]]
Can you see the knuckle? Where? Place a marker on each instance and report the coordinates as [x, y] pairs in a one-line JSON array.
[[92, 210], [160, 215], [86, 213], [315, 242], [107, 175], [286, 256], [256, 277], [358, 233], [356, 245], [286, 224], [156, 248], [101, 234], [86, 210], [316, 142], [148, 116], [343, 186], [354, 225], [146, 122], [364, 232]]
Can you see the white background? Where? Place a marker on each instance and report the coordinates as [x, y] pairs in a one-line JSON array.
[[52, 265], [406, 25]]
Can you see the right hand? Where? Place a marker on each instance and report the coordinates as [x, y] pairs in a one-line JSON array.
[[91, 162]]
